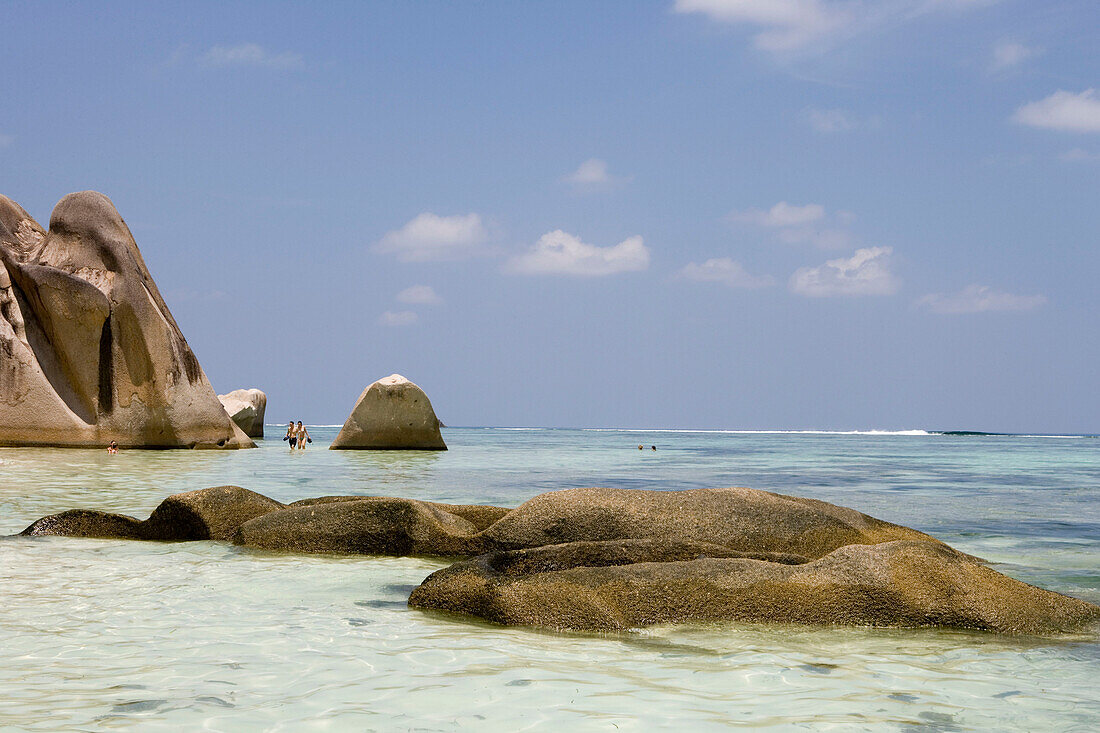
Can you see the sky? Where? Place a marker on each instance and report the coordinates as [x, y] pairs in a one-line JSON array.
[[711, 214]]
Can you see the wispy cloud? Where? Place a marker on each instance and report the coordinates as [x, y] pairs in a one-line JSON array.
[[837, 120], [592, 175], [867, 272], [979, 299], [789, 26], [780, 25], [560, 253], [398, 319], [1063, 111], [432, 237], [1079, 155], [419, 295], [725, 271], [828, 121], [1009, 54], [781, 215], [794, 223], [250, 54]]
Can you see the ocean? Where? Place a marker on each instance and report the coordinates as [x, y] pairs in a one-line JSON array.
[[117, 635]]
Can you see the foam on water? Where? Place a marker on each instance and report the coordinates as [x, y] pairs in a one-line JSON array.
[[106, 635]]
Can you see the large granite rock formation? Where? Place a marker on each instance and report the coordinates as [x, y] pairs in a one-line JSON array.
[[608, 559], [902, 583], [391, 414], [89, 352], [246, 407]]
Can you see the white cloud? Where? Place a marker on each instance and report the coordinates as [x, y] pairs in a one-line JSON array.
[[781, 215], [782, 24], [726, 271], [1008, 54], [398, 318], [796, 224], [419, 295], [785, 26], [830, 120], [250, 54], [6, 140], [560, 253], [592, 170], [867, 272], [979, 299], [593, 174], [1064, 111], [432, 237], [837, 120]]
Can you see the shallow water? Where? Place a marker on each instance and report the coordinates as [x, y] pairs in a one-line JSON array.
[[108, 635]]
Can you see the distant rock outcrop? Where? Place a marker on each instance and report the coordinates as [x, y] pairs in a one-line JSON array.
[[391, 414], [246, 407], [89, 352]]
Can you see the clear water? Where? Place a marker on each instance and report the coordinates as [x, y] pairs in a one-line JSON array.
[[112, 635]]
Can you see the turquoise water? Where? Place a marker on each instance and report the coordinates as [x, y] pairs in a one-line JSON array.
[[112, 635]]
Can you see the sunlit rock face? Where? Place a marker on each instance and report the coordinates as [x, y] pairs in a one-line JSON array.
[[246, 407], [391, 414], [89, 352], [606, 586]]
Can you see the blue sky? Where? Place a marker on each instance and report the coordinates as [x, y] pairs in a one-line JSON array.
[[701, 214]]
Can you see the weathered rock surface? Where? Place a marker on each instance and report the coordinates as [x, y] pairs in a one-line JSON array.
[[391, 414], [89, 352], [902, 583], [366, 525], [206, 514], [246, 407], [86, 523], [748, 520], [481, 516], [608, 559]]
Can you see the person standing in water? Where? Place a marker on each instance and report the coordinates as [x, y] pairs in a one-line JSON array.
[[303, 436], [291, 434]]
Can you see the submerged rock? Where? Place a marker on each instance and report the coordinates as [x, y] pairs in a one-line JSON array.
[[608, 559], [391, 414], [246, 407], [206, 514], [902, 583], [86, 523], [89, 352]]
